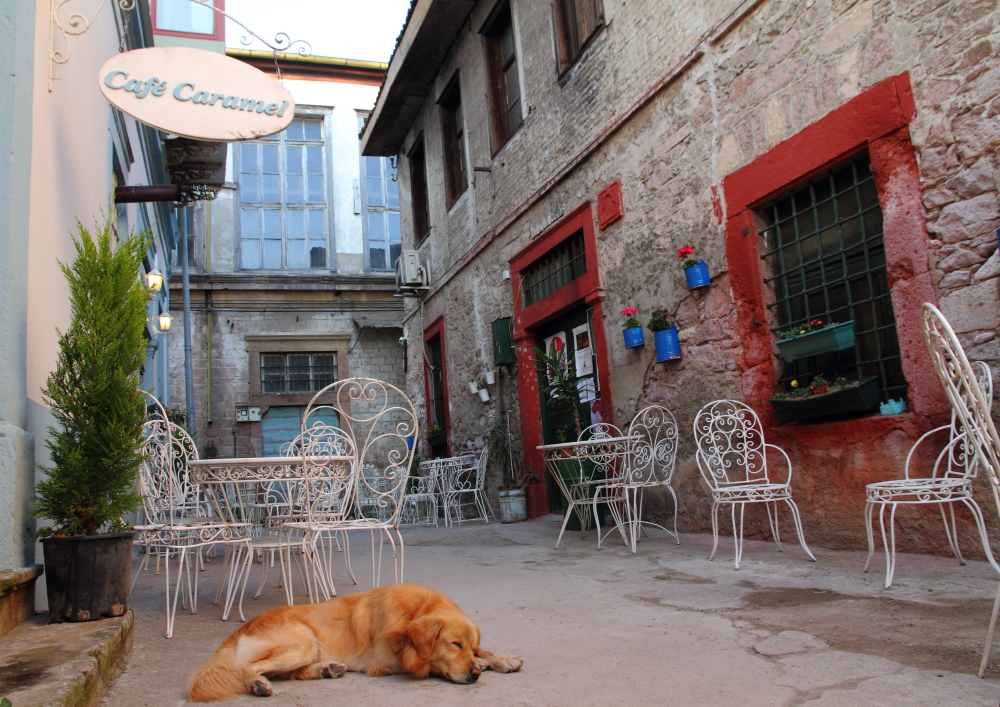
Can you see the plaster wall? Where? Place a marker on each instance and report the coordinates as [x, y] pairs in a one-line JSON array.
[[16, 443], [741, 83]]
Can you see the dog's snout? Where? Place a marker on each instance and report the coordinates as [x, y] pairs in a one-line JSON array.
[[474, 673]]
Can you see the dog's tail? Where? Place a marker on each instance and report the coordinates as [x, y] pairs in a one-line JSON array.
[[218, 678]]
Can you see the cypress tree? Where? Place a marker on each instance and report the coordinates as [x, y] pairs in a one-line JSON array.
[[93, 392]]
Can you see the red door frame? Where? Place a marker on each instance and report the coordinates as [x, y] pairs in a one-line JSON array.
[[436, 328], [587, 289], [877, 119]]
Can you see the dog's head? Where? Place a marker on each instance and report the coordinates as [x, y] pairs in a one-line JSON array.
[[442, 643]]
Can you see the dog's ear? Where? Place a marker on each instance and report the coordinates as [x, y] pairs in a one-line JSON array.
[[423, 633]]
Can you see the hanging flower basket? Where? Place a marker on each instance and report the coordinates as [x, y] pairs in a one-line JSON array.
[[633, 337], [825, 339], [852, 396], [695, 269], [668, 346]]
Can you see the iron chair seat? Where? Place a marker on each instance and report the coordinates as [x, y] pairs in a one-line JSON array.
[[752, 493], [919, 491]]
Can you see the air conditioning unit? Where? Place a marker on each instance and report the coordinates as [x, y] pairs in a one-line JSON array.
[[411, 277]]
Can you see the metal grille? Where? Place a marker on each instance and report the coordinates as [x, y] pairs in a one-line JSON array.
[[560, 266], [297, 373], [824, 243]]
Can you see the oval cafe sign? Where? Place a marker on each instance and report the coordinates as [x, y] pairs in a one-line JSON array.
[[196, 94]]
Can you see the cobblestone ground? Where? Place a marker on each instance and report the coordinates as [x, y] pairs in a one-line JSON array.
[[664, 626]]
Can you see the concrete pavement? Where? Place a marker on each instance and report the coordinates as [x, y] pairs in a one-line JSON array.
[[662, 627]]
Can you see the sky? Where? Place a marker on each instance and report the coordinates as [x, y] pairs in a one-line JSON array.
[[349, 29]]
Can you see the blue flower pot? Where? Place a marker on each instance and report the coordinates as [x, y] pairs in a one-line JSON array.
[[668, 346], [409, 442], [697, 276], [633, 337]]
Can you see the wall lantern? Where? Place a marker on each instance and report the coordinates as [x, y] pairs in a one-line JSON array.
[[154, 278], [164, 320]]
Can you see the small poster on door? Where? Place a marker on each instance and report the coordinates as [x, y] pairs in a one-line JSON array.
[[586, 388], [557, 341], [583, 356]]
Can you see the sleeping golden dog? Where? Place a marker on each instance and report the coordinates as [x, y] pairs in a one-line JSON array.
[[401, 629]]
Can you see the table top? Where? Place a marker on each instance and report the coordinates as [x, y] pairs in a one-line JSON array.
[[593, 442]]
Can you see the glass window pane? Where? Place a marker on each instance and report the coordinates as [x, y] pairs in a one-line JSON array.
[[378, 258], [513, 89], [373, 167], [250, 224], [394, 250], [317, 224], [185, 16], [294, 130], [293, 189], [392, 189], [269, 160], [313, 130], [317, 258], [271, 191], [272, 255], [295, 226], [376, 226], [507, 44], [272, 224], [296, 252], [393, 227], [250, 254], [314, 159], [248, 188], [293, 159], [515, 116], [316, 189], [248, 157], [375, 197]]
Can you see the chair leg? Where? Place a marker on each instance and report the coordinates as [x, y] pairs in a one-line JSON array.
[[677, 536], [564, 523], [226, 559], [989, 636], [715, 530], [597, 522], [738, 536], [977, 513], [890, 557], [869, 509], [797, 518], [772, 520], [952, 532]]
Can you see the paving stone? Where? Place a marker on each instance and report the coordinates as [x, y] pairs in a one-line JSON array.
[[812, 671], [789, 642]]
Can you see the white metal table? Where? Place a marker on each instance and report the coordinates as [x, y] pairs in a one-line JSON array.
[[445, 472]]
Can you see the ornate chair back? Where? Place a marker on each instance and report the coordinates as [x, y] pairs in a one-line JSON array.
[[968, 397], [375, 418], [606, 461], [652, 457], [168, 496], [730, 445]]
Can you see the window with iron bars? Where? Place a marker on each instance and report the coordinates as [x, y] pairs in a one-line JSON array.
[[824, 244], [559, 267], [297, 372]]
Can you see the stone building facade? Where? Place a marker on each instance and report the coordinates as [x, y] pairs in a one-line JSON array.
[[290, 267], [645, 127]]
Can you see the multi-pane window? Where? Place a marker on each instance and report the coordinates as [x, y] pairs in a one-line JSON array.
[[382, 212], [297, 372], [577, 21], [283, 195], [824, 243], [185, 16], [418, 192], [506, 114], [560, 266], [453, 134]]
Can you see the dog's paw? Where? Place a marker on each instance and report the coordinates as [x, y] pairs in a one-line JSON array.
[[334, 670], [506, 664], [260, 687]]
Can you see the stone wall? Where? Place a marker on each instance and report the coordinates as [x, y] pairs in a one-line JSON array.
[[736, 84]]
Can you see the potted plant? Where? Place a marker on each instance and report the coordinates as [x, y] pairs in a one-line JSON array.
[[822, 398], [695, 269], [815, 338], [668, 346], [513, 498], [434, 435], [562, 382], [633, 328], [96, 449]]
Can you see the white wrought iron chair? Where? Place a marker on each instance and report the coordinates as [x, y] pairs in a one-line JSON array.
[[177, 520], [467, 489], [420, 504], [649, 463], [583, 469], [971, 408], [951, 481], [377, 418], [732, 458]]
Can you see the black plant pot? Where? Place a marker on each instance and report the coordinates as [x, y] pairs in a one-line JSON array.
[[87, 576], [858, 398]]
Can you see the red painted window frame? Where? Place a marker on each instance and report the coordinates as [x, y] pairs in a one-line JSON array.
[[587, 288], [220, 25], [436, 328], [878, 120]]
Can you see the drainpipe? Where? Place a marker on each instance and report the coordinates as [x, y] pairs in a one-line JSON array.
[[208, 303], [188, 366]]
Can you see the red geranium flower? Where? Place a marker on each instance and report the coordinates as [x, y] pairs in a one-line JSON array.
[[685, 251]]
